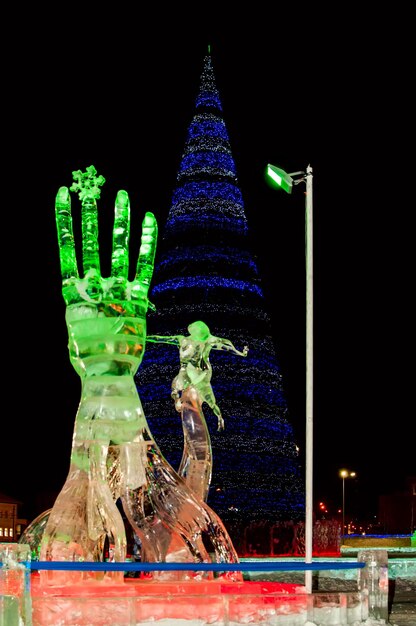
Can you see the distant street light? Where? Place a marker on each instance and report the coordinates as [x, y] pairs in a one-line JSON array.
[[344, 474], [286, 181]]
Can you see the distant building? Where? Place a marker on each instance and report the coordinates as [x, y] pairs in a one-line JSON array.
[[397, 511], [11, 526]]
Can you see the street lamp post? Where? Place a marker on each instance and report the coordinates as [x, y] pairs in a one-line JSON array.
[[344, 474], [286, 182]]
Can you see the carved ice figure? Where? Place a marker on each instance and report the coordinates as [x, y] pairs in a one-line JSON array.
[[191, 387], [113, 452]]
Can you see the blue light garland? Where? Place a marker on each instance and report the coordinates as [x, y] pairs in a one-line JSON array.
[[190, 282], [205, 271]]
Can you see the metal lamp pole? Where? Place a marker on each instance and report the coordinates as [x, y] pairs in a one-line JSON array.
[[286, 181], [343, 502], [309, 379], [344, 474]]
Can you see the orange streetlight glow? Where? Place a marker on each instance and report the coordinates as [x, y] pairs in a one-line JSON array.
[[344, 473]]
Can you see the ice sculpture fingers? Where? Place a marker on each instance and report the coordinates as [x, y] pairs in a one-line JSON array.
[[121, 236], [99, 308], [139, 287], [66, 241], [91, 287], [87, 186], [145, 262]]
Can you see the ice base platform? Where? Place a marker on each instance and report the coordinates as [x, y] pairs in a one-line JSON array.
[[141, 602]]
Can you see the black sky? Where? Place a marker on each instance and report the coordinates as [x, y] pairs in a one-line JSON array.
[[120, 95]]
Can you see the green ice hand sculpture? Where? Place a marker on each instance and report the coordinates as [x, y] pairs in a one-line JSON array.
[[106, 321], [114, 455], [104, 308]]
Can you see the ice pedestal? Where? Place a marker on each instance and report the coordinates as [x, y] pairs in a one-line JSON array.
[[9, 611], [338, 608], [171, 603], [15, 598], [374, 579], [189, 603]]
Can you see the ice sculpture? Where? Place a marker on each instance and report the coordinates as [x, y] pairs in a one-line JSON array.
[[114, 455], [191, 387]]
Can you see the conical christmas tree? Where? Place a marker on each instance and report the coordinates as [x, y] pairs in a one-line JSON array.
[[205, 271]]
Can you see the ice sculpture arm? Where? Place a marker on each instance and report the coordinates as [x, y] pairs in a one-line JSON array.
[[217, 343], [174, 340], [106, 322]]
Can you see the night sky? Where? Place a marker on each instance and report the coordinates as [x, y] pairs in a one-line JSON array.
[[120, 95]]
